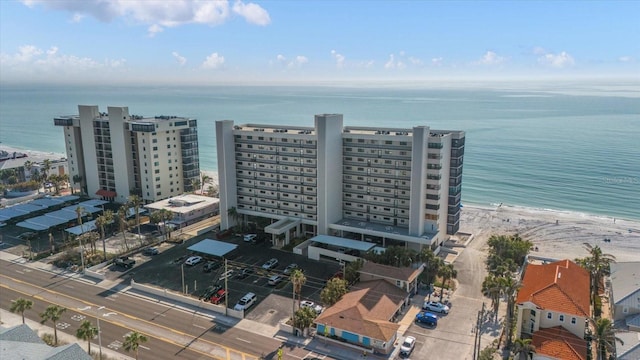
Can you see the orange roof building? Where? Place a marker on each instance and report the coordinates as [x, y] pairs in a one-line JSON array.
[[558, 343], [554, 294]]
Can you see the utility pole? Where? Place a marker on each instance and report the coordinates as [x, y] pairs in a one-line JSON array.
[[226, 288], [182, 270], [480, 318], [475, 339], [99, 334]]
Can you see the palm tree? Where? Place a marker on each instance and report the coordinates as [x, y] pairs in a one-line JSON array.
[[87, 332], [491, 288], [234, 214], [123, 224], [598, 264], [195, 183], [101, 221], [21, 305], [28, 165], [156, 218], [205, 179], [446, 272], [605, 338], [510, 287], [90, 237], [53, 313], [132, 342], [135, 201], [166, 215], [46, 166], [523, 348], [297, 280], [304, 317]]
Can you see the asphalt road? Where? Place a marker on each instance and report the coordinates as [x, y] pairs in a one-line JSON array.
[[173, 330], [454, 336]]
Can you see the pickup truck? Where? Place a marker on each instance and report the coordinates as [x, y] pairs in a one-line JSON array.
[[125, 262]]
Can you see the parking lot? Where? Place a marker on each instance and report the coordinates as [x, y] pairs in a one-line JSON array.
[[166, 269]]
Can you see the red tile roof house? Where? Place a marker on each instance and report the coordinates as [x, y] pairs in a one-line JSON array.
[[365, 315], [553, 306]]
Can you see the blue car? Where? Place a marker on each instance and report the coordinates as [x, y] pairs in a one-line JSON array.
[[427, 318]]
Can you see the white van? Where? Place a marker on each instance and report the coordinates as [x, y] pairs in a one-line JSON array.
[[245, 302]]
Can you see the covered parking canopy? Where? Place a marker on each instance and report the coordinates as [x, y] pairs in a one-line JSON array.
[[55, 218], [212, 247], [33, 206], [344, 243], [84, 228]]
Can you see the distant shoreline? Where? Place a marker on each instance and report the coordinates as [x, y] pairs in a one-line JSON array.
[[41, 155]]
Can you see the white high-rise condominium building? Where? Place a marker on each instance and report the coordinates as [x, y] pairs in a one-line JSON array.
[[113, 155], [385, 185]]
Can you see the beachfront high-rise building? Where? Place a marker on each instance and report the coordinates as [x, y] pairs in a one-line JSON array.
[[385, 185], [114, 154]]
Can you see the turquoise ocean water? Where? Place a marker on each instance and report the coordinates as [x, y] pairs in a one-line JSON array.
[[573, 148]]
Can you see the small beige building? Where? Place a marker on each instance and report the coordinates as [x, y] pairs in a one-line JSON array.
[[187, 209]]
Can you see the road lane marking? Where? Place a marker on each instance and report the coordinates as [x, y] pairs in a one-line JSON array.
[[176, 343], [201, 327], [247, 341]]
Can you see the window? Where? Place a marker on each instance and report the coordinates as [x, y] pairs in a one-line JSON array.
[[562, 318], [155, 148], [573, 320], [156, 171], [549, 316], [155, 141]]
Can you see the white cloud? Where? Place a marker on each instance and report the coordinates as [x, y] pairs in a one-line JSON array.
[[295, 63], [626, 59], [154, 29], [181, 59], [415, 61], [437, 61], [491, 58], [30, 60], [77, 18], [213, 61], [339, 59], [539, 50], [253, 13], [392, 63], [159, 14], [559, 60]]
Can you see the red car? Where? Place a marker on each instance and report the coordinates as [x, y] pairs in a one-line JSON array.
[[218, 297]]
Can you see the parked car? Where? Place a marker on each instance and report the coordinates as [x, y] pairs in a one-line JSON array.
[[124, 262], [289, 269], [210, 265], [310, 304], [244, 273], [427, 318], [435, 306], [249, 237], [275, 280], [407, 346], [151, 251], [245, 302], [219, 296], [209, 292], [193, 260], [271, 264]]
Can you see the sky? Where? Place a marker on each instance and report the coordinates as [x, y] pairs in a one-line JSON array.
[[307, 41]]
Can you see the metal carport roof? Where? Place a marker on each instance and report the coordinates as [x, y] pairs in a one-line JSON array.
[[84, 228], [342, 242], [213, 247]]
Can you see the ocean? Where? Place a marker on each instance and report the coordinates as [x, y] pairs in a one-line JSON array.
[[569, 147]]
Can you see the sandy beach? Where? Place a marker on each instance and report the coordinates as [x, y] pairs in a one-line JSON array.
[[557, 234]]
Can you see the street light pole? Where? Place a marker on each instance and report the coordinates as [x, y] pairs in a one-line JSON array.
[[99, 334], [182, 270]]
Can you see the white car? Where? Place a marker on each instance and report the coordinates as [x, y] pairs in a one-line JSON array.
[[271, 264], [310, 304], [249, 237], [407, 346], [275, 280], [193, 260], [435, 307], [245, 302]]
